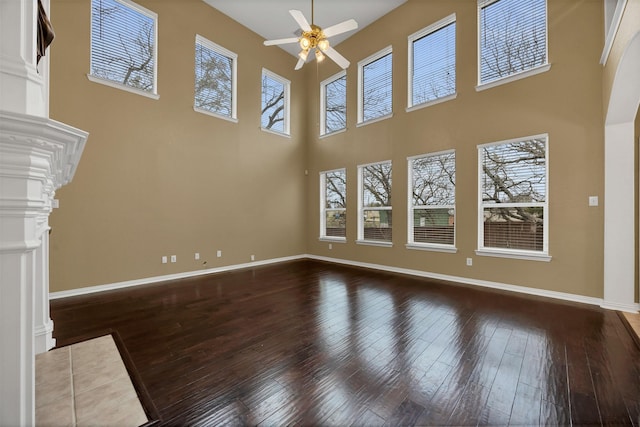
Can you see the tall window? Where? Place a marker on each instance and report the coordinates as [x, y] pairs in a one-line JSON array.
[[123, 45], [215, 84], [333, 104], [374, 203], [333, 204], [432, 200], [375, 84], [432, 62], [275, 102], [513, 187], [513, 37]]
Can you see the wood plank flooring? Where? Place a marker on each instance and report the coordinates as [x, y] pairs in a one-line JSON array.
[[313, 343]]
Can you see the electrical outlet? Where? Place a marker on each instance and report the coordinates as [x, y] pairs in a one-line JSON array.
[[219, 254], [253, 257], [330, 246], [197, 256], [469, 262], [174, 258], [164, 259]]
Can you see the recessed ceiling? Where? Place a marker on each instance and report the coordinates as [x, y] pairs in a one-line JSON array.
[[271, 19]]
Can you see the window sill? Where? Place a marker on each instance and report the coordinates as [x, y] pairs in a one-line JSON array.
[[275, 132], [377, 119], [432, 248], [513, 77], [326, 135], [526, 255], [374, 243], [432, 102], [212, 114], [333, 239], [120, 86]]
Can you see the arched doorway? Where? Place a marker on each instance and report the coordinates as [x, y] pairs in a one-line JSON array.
[[620, 255]]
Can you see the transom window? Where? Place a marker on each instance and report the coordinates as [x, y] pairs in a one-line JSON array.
[[333, 104], [275, 102], [432, 200], [215, 83], [512, 37], [375, 86], [374, 203], [432, 62], [513, 187], [124, 45], [333, 204]]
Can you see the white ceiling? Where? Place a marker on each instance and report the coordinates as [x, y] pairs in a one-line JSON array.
[[271, 19]]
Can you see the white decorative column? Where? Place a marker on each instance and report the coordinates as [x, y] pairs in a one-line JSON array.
[[37, 156]]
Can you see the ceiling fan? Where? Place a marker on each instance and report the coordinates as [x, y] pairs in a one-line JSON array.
[[315, 38]]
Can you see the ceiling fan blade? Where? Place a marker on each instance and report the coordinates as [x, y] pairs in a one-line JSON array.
[[340, 28], [337, 58], [299, 64], [281, 41], [300, 19]]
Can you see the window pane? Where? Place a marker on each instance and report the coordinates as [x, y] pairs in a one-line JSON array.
[[336, 190], [377, 88], [514, 228], [434, 180], [434, 65], [514, 172], [273, 103], [376, 180], [335, 223], [433, 226], [122, 45], [214, 80], [377, 225], [512, 37], [336, 105]]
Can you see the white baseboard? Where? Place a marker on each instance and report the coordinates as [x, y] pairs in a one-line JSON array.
[[633, 308], [157, 279]]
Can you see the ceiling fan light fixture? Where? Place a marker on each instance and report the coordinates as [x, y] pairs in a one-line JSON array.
[[303, 54], [319, 55], [323, 44], [305, 43]]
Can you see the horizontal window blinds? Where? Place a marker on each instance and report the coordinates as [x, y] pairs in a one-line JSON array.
[[336, 105], [377, 88], [214, 81], [434, 65], [273, 104]]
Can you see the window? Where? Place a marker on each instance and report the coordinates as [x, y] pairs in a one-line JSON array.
[[513, 215], [333, 104], [333, 204], [375, 86], [275, 102], [432, 201], [512, 39], [124, 45], [215, 85], [374, 203], [432, 62]]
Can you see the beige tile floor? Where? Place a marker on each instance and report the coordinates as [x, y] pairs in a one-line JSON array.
[[86, 384], [634, 321]]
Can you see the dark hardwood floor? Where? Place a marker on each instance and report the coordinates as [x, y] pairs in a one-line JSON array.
[[313, 343]]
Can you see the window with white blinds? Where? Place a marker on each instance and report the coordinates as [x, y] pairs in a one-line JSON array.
[[215, 82], [432, 62], [375, 86], [333, 204], [123, 44], [374, 203], [275, 102], [432, 200], [512, 37], [333, 104], [513, 187]]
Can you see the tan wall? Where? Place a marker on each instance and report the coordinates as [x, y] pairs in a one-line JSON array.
[[565, 102], [157, 178]]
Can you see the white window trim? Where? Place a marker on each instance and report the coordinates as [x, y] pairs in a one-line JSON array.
[[153, 94], [361, 64], [410, 40], [360, 239], [287, 103], [410, 207], [234, 79], [516, 76], [323, 103], [515, 253], [323, 209]]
